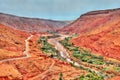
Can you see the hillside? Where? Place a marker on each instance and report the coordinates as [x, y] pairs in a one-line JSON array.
[[12, 42], [91, 20], [27, 52], [31, 24], [38, 68], [104, 39], [15, 64]]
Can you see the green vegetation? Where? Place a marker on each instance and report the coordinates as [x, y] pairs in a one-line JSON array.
[[61, 76], [90, 76], [46, 47], [82, 54], [89, 58], [86, 57], [111, 68], [42, 40], [54, 33]]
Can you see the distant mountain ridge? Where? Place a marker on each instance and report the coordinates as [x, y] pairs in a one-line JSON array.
[[31, 24], [91, 20]]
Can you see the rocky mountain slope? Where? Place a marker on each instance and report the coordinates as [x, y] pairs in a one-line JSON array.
[[31, 24], [12, 42], [92, 20], [104, 38]]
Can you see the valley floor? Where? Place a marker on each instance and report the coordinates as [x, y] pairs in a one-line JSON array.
[[55, 58]]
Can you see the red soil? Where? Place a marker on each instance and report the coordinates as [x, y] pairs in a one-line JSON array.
[[115, 78], [104, 40], [38, 68], [12, 42]]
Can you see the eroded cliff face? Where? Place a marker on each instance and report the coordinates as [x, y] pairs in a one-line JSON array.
[[31, 24], [91, 21]]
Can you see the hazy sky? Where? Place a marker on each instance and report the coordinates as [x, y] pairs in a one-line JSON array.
[[55, 9]]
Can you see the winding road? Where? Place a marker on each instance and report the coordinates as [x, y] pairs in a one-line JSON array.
[[26, 52]]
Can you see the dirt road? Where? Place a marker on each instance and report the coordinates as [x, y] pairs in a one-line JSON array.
[[26, 52]]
